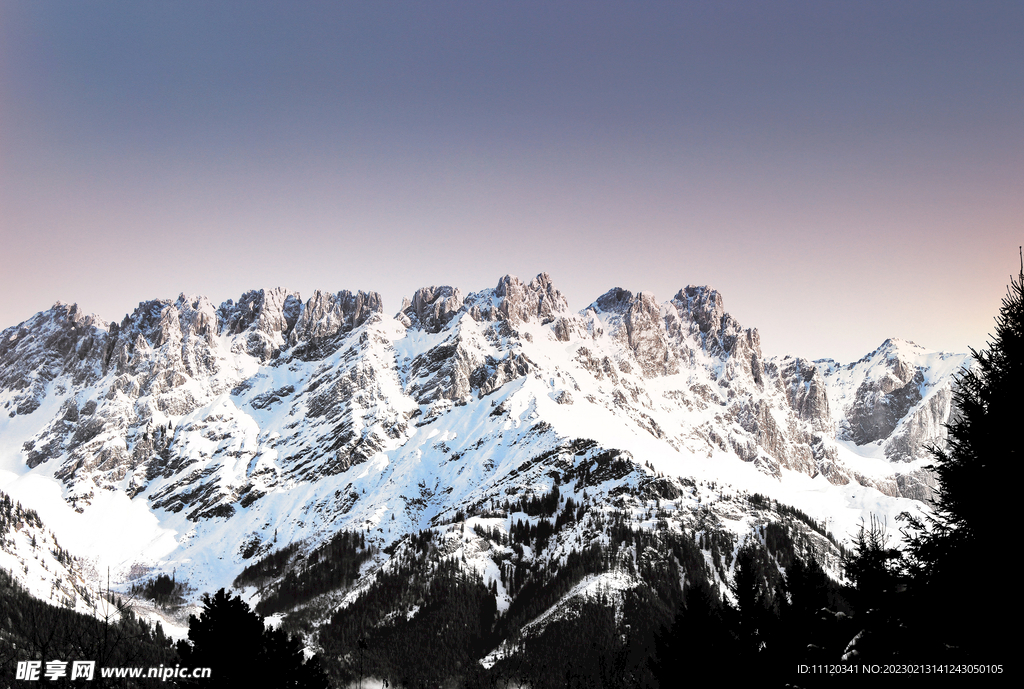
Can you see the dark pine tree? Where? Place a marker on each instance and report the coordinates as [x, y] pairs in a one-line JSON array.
[[232, 641], [811, 629], [968, 533], [874, 568], [701, 637], [807, 585]]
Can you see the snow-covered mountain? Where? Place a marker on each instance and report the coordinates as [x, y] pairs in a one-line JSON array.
[[202, 438]]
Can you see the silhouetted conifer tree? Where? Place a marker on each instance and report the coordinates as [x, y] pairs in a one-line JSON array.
[[875, 569], [970, 523], [699, 637], [231, 639], [807, 585]]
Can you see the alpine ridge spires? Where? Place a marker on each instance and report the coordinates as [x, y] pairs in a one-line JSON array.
[[224, 434]]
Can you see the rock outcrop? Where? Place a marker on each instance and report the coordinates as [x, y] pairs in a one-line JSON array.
[[431, 308]]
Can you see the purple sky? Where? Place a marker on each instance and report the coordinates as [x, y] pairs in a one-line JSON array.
[[841, 172]]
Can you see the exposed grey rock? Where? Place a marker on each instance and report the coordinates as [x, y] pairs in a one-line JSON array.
[[323, 415], [615, 300], [62, 340], [636, 320], [267, 316], [326, 315], [566, 327], [431, 308], [444, 372], [704, 306], [892, 399], [696, 317], [495, 373], [518, 302], [806, 393], [880, 405], [647, 338], [920, 428], [919, 484], [271, 398]]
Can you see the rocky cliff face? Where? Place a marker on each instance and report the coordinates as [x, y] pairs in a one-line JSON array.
[[62, 342], [894, 404], [431, 308], [124, 387]]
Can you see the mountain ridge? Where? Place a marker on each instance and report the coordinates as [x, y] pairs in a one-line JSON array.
[[242, 428]]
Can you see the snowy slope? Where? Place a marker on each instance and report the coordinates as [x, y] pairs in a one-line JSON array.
[[31, 552]]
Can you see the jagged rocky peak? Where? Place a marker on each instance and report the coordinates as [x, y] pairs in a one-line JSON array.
[[697, 313], [644, 314], [197, 317], [76, 319], [148, 320], [662, 337], [277, 318], [61, 340], [615, 300], [431, 308], [896, 356], [160, 327], [161, 322], [64, 330], [883, 387], [326, 315], [513, 301], [519, 302], [172, 357], [704, 306], [272, 312], [268, 315], [458, 368], [636, 320]]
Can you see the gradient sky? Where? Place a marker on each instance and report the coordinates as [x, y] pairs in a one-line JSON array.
[[841, 172]]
